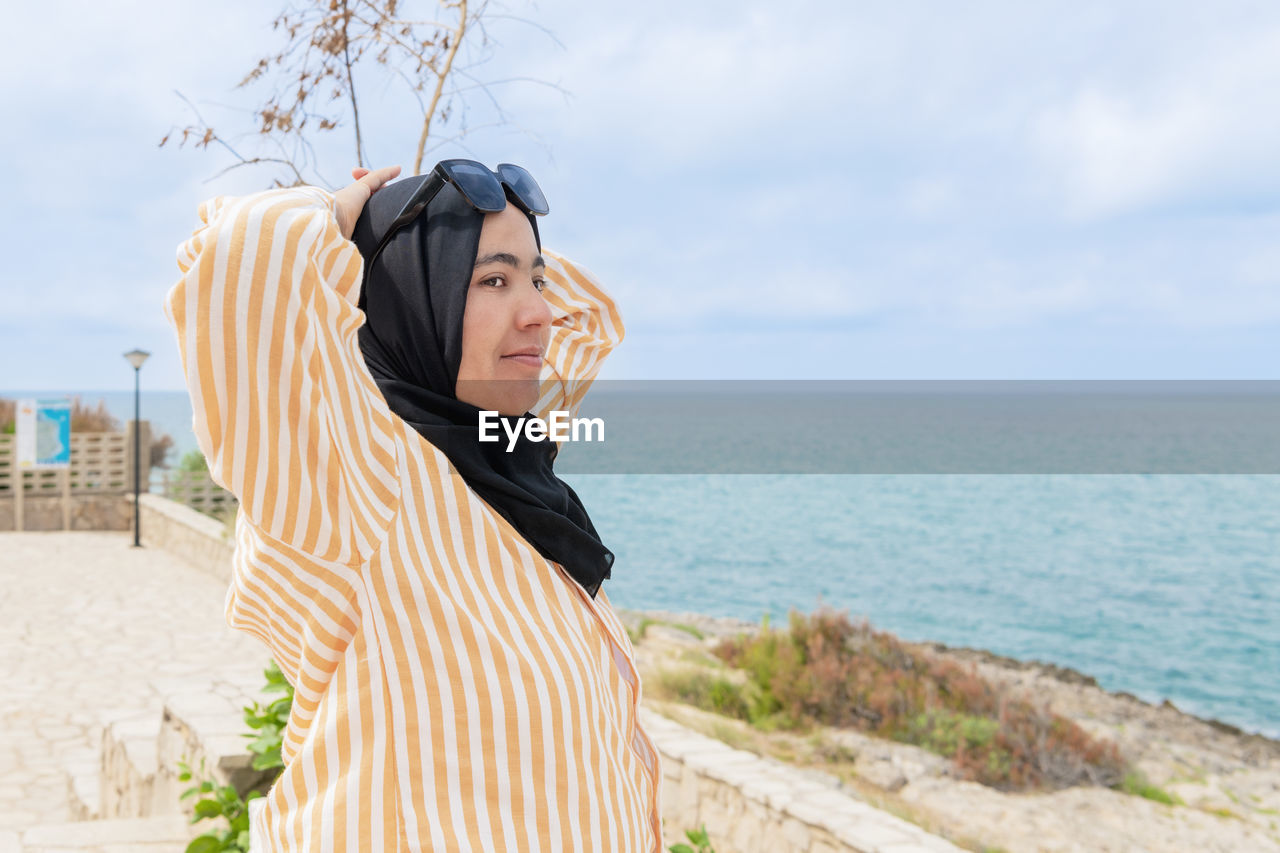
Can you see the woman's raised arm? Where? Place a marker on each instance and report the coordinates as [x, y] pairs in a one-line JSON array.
[[285, 410], [586, 327]]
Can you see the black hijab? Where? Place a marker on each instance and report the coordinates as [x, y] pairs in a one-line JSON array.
[[413, 300]]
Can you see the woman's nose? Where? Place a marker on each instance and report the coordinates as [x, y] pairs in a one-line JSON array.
[[534, 310]]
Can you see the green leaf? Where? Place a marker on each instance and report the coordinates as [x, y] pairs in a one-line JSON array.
[[208, 808], [263, 743], [204, 844], [267, 760], [681, 848]]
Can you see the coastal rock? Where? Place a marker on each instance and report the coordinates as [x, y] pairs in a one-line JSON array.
[[1226, 781]]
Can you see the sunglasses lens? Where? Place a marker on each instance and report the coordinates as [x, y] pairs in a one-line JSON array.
[[479, 186], [525, 188]]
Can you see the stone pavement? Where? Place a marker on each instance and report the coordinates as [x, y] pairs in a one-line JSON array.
[[91, 626]]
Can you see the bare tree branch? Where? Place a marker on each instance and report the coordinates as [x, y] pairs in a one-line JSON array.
[[329, 48], [253, 161], [528, 22], [440, 79], [351, 85]]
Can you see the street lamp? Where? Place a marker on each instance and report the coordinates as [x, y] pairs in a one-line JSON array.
[[136, 358]]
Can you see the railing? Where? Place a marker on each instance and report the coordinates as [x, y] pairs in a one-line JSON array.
[[197, 490]]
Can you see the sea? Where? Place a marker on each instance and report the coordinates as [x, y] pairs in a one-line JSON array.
[[1163, 585]]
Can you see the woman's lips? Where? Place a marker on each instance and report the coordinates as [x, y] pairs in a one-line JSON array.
[[529, 360]]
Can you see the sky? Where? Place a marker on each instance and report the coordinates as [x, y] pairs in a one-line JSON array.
[[810, 190]]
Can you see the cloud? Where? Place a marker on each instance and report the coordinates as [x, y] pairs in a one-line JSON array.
[[1205, 131], [869, 185]]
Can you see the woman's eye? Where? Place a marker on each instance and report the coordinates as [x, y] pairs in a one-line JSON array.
[[540, 283], [496, 281]]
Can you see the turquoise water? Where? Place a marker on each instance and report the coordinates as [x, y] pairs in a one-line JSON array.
[[1165, 586]]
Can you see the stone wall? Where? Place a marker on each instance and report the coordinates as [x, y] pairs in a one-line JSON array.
[[201, 540], [751, 804], [88, 512]]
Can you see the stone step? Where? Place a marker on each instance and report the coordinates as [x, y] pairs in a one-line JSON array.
[[84, 784], [170, 834], [128, 768], [200, 726]]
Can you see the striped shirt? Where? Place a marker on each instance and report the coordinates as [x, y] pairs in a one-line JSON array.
[[455, 690]]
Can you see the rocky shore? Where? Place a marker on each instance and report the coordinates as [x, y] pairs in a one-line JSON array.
[[1224, 783]]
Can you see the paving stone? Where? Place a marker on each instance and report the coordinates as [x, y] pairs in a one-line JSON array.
[[82, 642], [909, 847], [60, 732], [870, 835], [79, 834], [17, 818]]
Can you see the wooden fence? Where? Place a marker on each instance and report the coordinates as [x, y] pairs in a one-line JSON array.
[[101, 463]]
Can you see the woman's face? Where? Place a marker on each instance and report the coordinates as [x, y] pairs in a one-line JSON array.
[[507, 323]]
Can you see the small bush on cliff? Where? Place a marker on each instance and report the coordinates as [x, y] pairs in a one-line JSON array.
[[828, 670], [706, 690]]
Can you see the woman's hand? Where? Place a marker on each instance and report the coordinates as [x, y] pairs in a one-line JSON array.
[[350, 200]]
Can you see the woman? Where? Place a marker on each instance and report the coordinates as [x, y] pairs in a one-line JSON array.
[[461, 681]]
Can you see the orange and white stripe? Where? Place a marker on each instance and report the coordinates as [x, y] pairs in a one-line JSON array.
[[454, 690]]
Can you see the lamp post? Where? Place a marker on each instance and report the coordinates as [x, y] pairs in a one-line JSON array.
[[136, 358]]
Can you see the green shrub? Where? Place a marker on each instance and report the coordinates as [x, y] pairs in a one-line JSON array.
[[696, 836], [224, 802], [827, 670], [946, 732], [193, 460], [269, 721], [705, 690]]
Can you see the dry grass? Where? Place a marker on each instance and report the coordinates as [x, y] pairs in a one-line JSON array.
[[826, 670]]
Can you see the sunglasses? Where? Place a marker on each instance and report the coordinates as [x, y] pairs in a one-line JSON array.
[[480, 186]]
